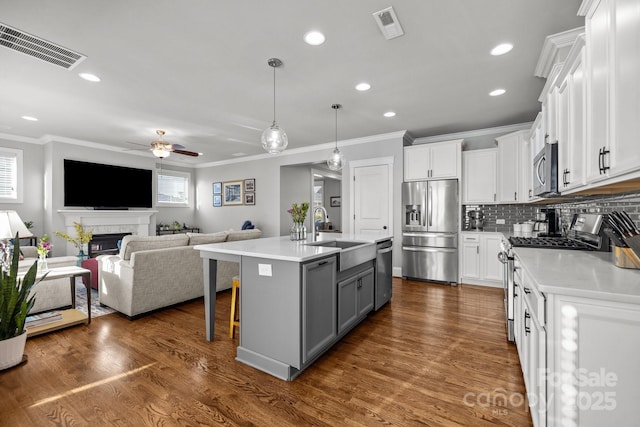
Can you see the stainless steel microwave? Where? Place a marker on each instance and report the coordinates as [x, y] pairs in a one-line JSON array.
[[545, 171]]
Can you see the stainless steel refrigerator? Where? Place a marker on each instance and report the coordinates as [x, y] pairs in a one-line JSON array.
[[430, 230]]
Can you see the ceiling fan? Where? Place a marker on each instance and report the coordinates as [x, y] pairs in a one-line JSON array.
[[162, 149]]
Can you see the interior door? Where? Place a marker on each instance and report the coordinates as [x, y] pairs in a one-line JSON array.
[[372, 199]]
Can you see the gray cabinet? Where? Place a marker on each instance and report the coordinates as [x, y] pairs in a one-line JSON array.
[[355, 298], [319, 297]]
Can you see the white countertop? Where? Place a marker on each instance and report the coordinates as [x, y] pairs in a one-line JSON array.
[[580, 273], [284, 249]]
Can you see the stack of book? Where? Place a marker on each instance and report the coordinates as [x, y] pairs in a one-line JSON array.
[[42, 319]]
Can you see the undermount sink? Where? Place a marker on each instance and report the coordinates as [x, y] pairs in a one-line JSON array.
[[352, 253]]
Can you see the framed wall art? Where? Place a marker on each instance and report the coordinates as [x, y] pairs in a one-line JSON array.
[[232, 193], [335, 201], [217, 188], [250, 198], [249, 185], [217, 200]]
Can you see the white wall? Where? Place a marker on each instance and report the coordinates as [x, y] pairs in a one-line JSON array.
[[268, 211], [44, 177]]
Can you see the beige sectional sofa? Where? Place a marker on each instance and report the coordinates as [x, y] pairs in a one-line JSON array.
[[49, 294], [155, 272]]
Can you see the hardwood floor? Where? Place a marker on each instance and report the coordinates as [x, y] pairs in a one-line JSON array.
[[436, 355]]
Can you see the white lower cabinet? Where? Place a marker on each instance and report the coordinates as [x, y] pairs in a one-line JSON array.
[[479, 264], [579, 356], [532, 337], [593, 362]]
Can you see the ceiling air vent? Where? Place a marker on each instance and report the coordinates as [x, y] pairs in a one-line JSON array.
[[388, 23], [44, 50]]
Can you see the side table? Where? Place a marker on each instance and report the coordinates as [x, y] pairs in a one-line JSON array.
[[71, 316], [92, 265]]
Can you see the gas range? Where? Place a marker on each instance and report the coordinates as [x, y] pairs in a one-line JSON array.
[[548, 242], [586, 233]]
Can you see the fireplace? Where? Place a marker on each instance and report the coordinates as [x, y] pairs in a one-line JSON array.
[[122, 222], [105, 244]]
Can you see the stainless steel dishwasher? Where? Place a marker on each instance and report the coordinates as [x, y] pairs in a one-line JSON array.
[[384, 266]]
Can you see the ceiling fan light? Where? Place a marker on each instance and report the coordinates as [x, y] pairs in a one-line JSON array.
[[274, 139], [336, 160], [161, 152]]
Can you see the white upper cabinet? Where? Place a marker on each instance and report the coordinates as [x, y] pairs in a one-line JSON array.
[[510, 169], [440, 160], [479, 177], [571, 119], [613, 87]]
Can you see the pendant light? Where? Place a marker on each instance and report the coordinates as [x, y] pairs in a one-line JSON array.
[[274, 138], [336, 159]]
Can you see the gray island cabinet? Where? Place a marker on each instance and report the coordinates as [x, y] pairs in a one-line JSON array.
[[295, 303]]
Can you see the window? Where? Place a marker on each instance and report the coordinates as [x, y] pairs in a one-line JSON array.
[[173, 188], [10, 175]]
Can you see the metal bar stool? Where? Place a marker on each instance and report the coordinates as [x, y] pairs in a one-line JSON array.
[[234, 319]]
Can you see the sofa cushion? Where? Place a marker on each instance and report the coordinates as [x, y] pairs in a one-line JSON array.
[[203, 239], [132, 244], [234, 235]]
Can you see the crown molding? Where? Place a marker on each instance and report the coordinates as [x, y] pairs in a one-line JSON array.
[[552, 50], [311, 148], [474, 133]]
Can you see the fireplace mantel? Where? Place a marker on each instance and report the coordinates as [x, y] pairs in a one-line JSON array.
[[136, 222]]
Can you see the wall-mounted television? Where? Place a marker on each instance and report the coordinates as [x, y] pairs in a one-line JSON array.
[[101, 186]]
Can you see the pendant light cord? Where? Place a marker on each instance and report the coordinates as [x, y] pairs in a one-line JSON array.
[[274, 96], [336, 128]]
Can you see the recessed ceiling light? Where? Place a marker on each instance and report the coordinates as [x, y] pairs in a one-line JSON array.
[[363, 86], [501, 49], [31, 119], [314, 38], [89, 77], [497, 92], [389, 114]]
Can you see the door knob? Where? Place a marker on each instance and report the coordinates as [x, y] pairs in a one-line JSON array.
[[384, 227]]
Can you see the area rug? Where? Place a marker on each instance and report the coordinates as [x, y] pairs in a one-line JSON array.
[[81, 302]]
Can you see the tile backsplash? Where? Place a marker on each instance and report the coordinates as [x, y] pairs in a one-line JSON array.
[[512, 214]]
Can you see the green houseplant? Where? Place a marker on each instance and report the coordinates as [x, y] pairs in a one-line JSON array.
[[15, 303]]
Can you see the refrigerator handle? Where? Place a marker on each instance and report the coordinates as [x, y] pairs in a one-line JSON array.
[[430, 207]]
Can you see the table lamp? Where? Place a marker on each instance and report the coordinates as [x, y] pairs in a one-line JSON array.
[[10, 224]]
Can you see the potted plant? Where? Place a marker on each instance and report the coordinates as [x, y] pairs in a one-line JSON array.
[[82, 237], [15, 303]]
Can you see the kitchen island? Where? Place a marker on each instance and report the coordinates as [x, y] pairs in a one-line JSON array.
[[297, 298]]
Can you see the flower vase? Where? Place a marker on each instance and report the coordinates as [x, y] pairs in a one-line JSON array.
[[293, 231], [42, 263], [80, 257]]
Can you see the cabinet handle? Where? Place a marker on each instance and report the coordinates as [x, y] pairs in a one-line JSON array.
[[527, 329], [526, 290], [604, 153], [494, 197], [477, 250], [546, 136], [600, 161], [359, 283], [323, 263], [515, 195], [530, 191]]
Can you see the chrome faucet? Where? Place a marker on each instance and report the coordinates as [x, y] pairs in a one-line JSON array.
[[316, 232]]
